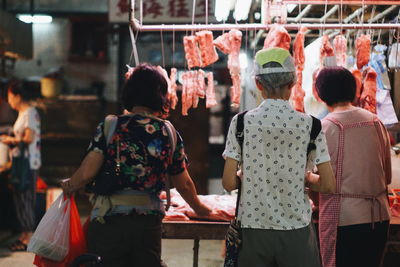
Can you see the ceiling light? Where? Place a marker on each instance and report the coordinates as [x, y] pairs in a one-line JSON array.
[[221, 10], [242, 9], [35, 18]]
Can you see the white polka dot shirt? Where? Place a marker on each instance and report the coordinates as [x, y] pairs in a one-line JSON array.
[[274, 163]]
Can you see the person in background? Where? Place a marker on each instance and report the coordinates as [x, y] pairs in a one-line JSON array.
[[26, 131], [274, 209], [129, 234], [353, 222]]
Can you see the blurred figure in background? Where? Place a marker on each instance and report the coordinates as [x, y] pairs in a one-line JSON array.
[[25, 151]]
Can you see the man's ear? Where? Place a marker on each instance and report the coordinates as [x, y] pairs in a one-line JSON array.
[[259, 85]]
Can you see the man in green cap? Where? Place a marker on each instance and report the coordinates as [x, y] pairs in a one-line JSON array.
[[274, 209]]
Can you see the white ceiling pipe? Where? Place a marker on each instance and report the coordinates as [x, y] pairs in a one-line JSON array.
[[303, 13]]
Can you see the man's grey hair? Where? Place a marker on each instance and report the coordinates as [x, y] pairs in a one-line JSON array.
[[273, 83]]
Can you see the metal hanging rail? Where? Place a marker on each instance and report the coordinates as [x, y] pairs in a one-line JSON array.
[[258, 26], [344, 2]]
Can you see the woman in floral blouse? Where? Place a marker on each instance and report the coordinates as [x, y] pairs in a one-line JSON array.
[[127, 232]]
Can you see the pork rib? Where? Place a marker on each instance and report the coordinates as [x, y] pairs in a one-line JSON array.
[[192, 52], [207, 50], [340, 46], [363, 50]]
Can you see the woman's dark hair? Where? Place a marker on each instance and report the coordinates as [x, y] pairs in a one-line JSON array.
[[335, 85], [146, 87], [21, 88]]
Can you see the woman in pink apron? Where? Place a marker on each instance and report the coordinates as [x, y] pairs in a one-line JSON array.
[[353, 222]]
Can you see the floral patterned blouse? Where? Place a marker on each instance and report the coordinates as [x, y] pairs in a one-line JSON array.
[[144, 152]]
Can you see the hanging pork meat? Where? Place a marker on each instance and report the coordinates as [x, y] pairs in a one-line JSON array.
[[222, 43], [277, 37], [340, 47], [173, 98], [326, 52], [363, 50], [368, 95], [192, 52], [210, 91], [358, 77], [235, 39], [185, 107], [207, 50], [297, 93], [201, 84]]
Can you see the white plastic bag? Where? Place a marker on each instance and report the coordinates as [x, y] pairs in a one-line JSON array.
[[394, 56], [51, 238]]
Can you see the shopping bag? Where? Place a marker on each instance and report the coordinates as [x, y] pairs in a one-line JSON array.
[[232, 243], [51, 238], [77, 242], [21, 174]]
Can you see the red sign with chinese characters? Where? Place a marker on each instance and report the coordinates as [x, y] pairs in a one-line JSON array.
[[162, 11]]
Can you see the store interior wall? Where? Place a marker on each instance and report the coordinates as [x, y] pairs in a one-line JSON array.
[[51, 52]]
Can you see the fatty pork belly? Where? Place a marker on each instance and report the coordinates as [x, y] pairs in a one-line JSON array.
[[277, 37], [368, 95], [363, 50], [340, 47], [207, 50], [192, 52]]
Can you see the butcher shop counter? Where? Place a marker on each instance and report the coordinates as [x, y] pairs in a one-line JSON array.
[[195, 230], [208, 230]]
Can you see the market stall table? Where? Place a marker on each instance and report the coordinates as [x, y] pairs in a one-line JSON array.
[[209, 230], [195, 230]]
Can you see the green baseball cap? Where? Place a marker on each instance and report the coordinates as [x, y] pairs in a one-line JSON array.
[[274, 54]]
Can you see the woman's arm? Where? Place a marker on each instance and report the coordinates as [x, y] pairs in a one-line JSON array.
[[185, 186], [326, 182], [27, 138], [90, 166], [229, 179]]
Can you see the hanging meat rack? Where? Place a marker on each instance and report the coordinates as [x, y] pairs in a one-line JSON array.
[[258, 26]]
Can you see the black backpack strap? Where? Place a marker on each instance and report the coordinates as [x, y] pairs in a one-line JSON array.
[[240, 138], [315, 130], [240, 128]]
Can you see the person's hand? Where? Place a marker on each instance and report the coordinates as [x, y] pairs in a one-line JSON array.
[[67, 187], [312, 178], [8, 140], [239, 174], [202, 210]]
